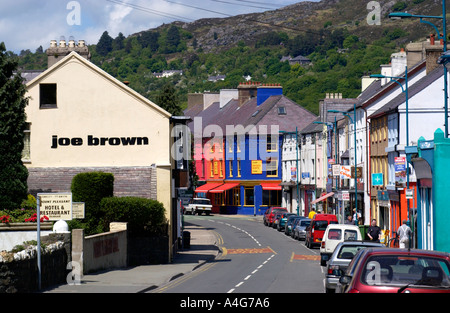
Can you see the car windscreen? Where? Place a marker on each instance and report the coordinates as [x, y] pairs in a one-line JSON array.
[[320, 225], [415, 270], [202, 201], [348, 252], [305, 223]]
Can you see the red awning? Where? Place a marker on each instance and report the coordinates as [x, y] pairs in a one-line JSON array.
[[271, 186], [224, 187], [323, 197], [208, 186]]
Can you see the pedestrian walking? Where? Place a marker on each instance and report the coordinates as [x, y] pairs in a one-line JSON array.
[[374, 232], [312, 213], [404, 233]]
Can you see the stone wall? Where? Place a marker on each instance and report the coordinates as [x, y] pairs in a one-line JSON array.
[[19, 271], [128, 181]]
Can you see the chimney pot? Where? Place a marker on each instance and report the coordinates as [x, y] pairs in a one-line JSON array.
[[432, 39]]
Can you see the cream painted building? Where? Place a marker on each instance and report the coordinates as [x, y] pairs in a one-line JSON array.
[[83, 119]]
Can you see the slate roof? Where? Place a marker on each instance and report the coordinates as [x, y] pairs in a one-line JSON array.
[[412, 91], [249, 113]]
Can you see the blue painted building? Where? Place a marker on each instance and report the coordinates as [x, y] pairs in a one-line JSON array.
[[250, 125]]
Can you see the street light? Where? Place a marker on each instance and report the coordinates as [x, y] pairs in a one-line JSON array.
[[400, 15], [356, 164]]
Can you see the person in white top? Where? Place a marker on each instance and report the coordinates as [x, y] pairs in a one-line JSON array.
[[404, 233]]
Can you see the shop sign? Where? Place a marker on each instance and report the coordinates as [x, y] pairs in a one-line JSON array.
[[400, 171], [256, 166], [336, 170], [345, 196], [78, 210], [293, 173], [377, 179], [98, 141], [346, 172], [409, 193], [305, 175], [56, 206]]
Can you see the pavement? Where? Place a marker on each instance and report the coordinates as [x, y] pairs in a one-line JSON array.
[[140, 279]]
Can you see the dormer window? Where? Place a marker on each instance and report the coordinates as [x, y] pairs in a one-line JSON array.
[[281, 110]]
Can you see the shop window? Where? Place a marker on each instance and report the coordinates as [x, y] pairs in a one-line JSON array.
[[249, 196], [47, 96], [271, 197]]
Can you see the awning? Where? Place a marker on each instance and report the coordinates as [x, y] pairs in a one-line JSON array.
[[208, 186], [271, 186], [322, 198], [224, 187]]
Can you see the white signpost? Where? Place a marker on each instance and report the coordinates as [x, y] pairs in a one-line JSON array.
[[55, 206]]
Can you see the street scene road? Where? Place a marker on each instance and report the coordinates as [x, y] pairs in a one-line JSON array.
[[254, 259]]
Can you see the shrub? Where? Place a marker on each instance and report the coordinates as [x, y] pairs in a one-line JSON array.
[[144, 216], [91, 188]]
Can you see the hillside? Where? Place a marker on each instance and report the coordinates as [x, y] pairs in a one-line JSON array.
[[333, 34]]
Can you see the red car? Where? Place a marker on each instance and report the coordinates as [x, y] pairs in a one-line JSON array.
[[269, 215], [315, 230], [392, 270]]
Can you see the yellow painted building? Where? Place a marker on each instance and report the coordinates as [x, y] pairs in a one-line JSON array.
[[82, 119]]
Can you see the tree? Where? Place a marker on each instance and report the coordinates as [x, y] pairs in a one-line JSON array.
[[168, 100], [13, 174], [104, 45]]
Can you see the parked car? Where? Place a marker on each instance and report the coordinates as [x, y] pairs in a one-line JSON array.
[[340, 259], [334, 234], [269, 215], [199, 206], [315, 231], [300, 228], [282, 224], [290, 224], [376, 270], [276, 219]]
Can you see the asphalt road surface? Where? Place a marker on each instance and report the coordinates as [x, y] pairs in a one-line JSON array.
[[254, 259]]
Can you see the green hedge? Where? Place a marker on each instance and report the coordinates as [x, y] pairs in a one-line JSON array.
[[91, 188], [144, 216]]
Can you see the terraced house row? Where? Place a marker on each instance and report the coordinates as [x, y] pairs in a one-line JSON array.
[[392, 132]]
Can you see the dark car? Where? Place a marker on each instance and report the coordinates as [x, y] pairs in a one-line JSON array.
[[291, 223], [392, 270], [282, 224], [341, 258]]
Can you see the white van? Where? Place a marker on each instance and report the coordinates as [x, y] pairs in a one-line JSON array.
[[334, 234]]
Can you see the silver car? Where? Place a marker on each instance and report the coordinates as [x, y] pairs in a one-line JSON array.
[[341, 258], [299, 231]]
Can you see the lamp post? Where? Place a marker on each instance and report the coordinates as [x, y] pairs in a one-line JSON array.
[[353, 120], [439, 36]]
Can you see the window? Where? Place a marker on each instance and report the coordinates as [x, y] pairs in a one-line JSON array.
[[271, 167], [271, 143], [271, 197], [238, 168], [26, 152], [47, 96], [249, 196], [230, 168], [281, 111]]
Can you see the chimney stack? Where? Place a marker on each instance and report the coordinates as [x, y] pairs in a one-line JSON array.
[[56, 51]]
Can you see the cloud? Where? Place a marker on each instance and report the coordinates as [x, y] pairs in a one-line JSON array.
[[28, 24]]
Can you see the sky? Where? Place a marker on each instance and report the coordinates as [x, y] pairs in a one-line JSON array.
[[28, 24]]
